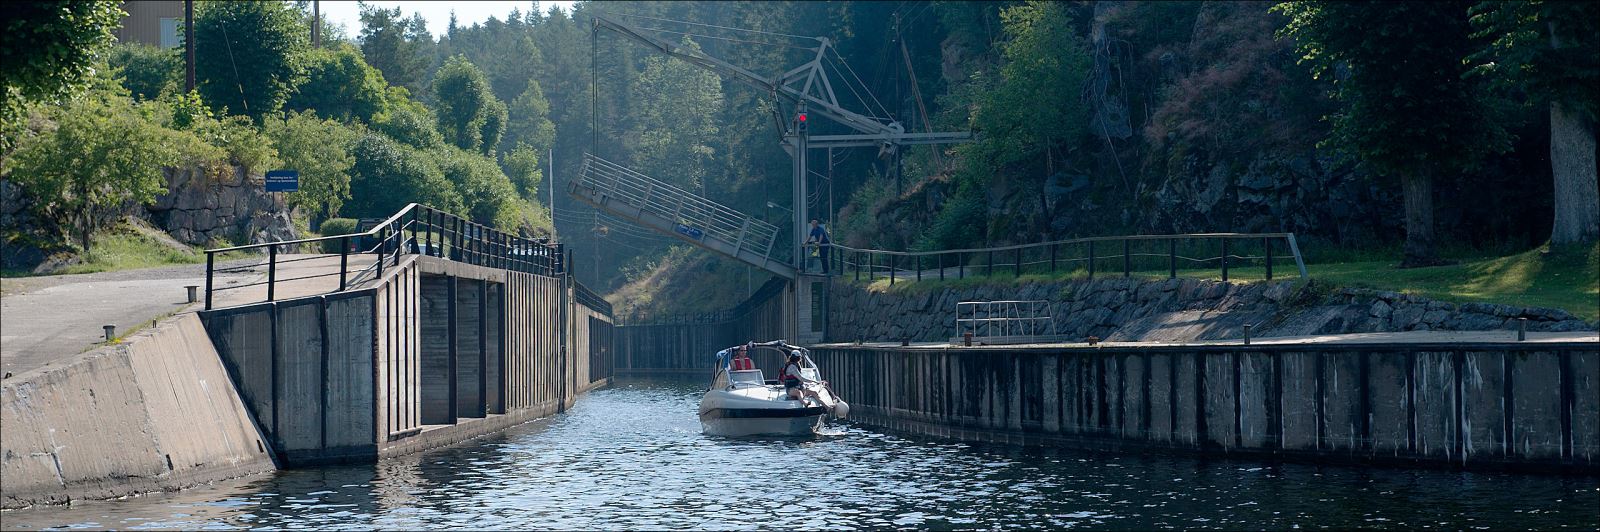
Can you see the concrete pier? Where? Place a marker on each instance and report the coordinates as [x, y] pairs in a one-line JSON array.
[[154, 412], [434, 352]]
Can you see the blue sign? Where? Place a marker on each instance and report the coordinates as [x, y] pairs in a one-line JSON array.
[[283, 180], [690, 232]]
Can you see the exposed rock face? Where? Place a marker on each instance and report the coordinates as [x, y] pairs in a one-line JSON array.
[[25, 239], [1179, 310], [199, 209]]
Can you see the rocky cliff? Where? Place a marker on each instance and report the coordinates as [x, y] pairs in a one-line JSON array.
[[234, 208], [1178, 310]]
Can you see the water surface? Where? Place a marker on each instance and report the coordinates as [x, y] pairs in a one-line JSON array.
[[632, 457]]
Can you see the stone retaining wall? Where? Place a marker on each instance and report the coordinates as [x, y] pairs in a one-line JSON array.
[[1122, 309], [198, 209]]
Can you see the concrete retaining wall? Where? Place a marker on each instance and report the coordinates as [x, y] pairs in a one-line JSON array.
[[1172, 310], [1522, 406], [156, 412]]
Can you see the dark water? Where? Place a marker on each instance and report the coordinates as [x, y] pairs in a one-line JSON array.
[[632, 457]]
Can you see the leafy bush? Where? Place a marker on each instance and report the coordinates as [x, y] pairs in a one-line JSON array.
[[489, 196], [339, 84], [407, 121], [91, 156], [248, 55], [320, 150], [148, 71], [336, 227], [387, 175]]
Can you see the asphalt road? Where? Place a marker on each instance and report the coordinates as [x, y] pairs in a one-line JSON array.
[[50, 318]]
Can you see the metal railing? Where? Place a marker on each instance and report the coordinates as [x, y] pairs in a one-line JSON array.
[[1016, 319], [1172, 255], [589, 298], [695, 217], [415, 230]]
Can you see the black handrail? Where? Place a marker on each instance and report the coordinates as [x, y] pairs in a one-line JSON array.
[[468, 242], [846, 260]]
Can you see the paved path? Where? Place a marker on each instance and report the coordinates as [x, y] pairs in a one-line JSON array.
[[48, 318], [1412, 337]]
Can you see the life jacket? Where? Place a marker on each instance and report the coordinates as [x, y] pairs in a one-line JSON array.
[[743, 363], [785, 375]]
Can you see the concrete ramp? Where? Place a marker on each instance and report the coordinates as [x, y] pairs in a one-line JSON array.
[[677, 213]]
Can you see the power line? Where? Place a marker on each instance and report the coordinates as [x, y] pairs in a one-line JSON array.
[[719, 27], [729, 39]]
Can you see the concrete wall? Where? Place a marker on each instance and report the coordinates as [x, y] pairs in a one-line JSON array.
[[155, 412], [1522, 406], [435, 353], [305, 368], [691, 348]]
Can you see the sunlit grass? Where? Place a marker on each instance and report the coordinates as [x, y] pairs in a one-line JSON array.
[[1568, 280], [126, 248]]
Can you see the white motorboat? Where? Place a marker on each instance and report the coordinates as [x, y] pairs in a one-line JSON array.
[[742, 402]]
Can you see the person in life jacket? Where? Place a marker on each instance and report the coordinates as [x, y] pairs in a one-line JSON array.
[[793, 381], [741, 360]]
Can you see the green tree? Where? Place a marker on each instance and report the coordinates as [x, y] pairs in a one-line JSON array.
[[676, 105], [408, 121], [249, 56], [102, 154], [396, 46], [387, 175], [48, 49], [1551, 51], [530, 120], [493, 128], [1036, 104], [486, 192], [470, 117], [339, 84], [1407, 111], [148, 71], [522, 165], [320, 150]]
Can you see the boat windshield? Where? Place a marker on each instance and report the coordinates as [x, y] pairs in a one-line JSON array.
[[748, 376]]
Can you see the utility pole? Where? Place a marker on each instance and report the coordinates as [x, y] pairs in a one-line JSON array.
[[316, 23], [550, 160], [188, 46]]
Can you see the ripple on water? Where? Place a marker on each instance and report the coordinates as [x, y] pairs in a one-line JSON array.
[[632, 457]]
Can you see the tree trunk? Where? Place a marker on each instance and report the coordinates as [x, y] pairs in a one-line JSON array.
[[1577, 191], [1417, 188]]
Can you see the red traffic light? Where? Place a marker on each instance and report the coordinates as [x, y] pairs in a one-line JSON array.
[[801, 117]]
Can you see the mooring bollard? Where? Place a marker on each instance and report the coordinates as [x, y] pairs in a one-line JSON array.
[[111, 331], [1522, 329], [194, 292], [1246, 335]]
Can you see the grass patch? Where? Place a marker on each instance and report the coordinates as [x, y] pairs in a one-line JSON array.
[[1567, 279], [124, 247]]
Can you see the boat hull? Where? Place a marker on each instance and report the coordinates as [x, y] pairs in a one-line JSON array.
[[757, 411], [732, 422]]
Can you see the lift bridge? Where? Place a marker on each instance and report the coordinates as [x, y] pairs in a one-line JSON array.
[[670, 210], [808, 87]]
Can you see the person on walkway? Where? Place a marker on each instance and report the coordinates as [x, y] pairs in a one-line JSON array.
[[793, 381], [819, 238]]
